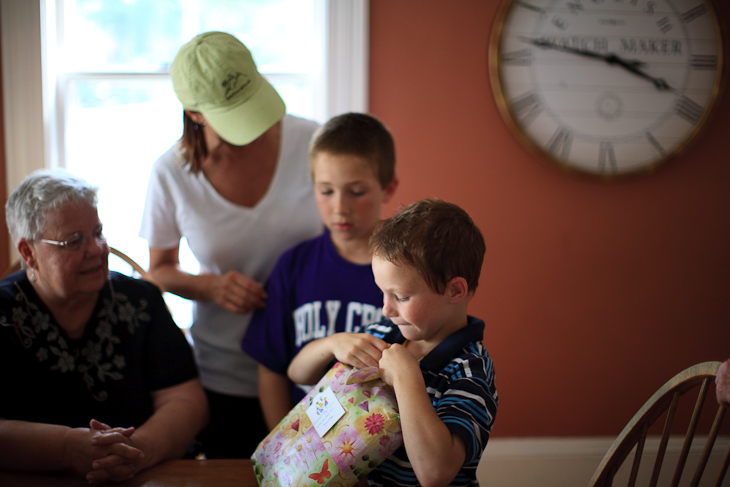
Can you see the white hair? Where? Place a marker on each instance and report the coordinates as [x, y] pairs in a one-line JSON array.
[[41, 192]]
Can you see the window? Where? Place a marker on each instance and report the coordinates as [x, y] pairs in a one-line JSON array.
[[108, 107]]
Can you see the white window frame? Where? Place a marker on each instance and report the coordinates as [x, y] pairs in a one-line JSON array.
[[33, 110]]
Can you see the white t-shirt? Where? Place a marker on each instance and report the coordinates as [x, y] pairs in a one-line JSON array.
[[224, 236]]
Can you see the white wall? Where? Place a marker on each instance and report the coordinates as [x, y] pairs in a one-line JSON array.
[[22, 93], [571, 462]]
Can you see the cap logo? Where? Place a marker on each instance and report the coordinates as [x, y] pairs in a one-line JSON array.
[[233, 85]]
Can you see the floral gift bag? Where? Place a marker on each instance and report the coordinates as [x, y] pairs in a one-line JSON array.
[[346, 426]]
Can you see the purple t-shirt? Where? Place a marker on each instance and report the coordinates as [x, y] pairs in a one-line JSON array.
[[313, 293]]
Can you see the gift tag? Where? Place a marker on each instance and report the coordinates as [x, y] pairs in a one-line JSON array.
[[325, 411]]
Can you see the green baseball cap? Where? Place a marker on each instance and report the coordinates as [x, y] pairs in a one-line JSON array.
[[214, 74]]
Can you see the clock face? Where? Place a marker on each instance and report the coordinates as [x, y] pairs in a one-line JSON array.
[[606, 87]]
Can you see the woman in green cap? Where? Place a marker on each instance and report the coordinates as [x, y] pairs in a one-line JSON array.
[[237, 187]]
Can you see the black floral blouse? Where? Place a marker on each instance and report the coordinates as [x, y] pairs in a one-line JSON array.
[[130, 348]]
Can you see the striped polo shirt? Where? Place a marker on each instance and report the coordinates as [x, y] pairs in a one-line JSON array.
[[459, 377]]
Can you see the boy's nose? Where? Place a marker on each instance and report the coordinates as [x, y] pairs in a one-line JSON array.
[[340, 204], [388, 310]]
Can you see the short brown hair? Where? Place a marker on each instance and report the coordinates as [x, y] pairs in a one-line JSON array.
[[360, 135], [438, 239]]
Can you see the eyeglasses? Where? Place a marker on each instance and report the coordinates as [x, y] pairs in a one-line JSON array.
[[77, 241]]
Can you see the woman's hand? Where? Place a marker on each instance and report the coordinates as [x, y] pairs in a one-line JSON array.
[[113, 467], [101, 454], [237, 293], [232, 290]]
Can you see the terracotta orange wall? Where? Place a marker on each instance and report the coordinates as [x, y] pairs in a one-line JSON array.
[[594, 293]]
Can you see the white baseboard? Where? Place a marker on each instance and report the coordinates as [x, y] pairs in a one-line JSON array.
[[566, 462]]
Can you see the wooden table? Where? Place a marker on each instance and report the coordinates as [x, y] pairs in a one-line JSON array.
[[174, 473]]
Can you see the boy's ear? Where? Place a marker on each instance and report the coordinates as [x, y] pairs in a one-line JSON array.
[[457, 289], [390, 189]]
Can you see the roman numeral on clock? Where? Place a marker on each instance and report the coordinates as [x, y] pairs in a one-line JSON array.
[[561, 142], [703, 61], [532, 7], [655, 143], [523, 57], [527, 107], [693, 13], [688, 110], [606, 157]]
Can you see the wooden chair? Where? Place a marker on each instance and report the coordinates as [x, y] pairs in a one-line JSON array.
[[674, 401], [137, 270]]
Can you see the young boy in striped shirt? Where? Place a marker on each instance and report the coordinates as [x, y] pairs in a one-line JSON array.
[[426, 260]]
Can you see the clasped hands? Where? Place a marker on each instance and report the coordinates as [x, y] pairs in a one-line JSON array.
[[103, 453]]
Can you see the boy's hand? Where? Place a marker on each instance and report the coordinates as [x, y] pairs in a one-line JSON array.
[[358, 349], [398, 363]]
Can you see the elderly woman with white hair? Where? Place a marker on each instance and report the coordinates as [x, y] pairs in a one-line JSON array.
[[95, 376]]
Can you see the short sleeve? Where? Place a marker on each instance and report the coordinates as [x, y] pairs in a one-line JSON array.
[[159, 224], [468, 405]]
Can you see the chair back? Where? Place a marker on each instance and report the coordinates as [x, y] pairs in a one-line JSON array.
[[136, 269], [680, 402]]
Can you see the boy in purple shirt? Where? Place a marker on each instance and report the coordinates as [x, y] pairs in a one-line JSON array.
[[325, 285]]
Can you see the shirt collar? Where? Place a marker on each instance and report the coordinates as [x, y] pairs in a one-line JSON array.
[[452, 346]]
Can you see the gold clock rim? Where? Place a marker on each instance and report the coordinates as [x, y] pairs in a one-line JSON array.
[[495, 81]]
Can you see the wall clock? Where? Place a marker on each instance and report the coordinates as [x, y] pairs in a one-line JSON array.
[[606, 87]]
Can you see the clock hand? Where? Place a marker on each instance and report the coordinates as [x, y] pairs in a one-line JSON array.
[[632, 65]]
